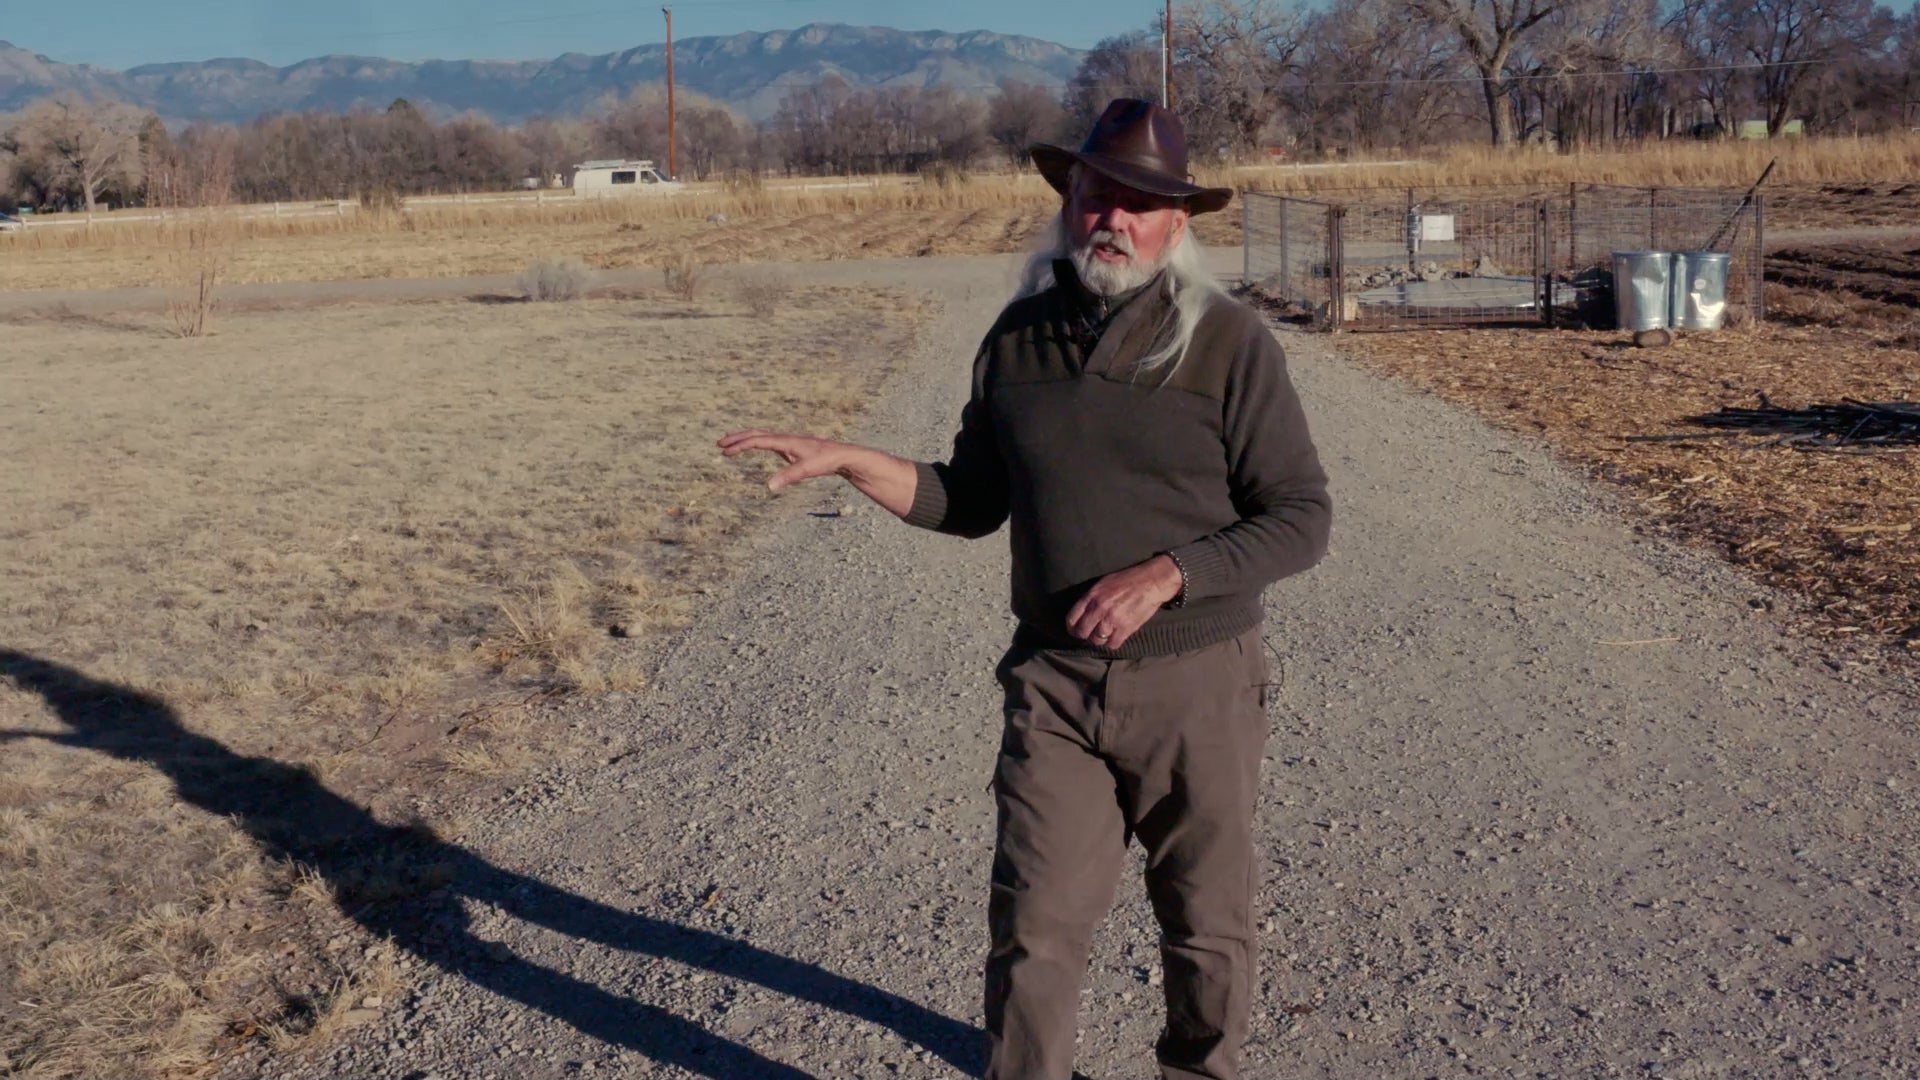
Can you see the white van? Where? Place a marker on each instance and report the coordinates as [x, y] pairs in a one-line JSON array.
[[602, 179]]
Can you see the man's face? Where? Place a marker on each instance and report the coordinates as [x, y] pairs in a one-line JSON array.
[[1121, 237]]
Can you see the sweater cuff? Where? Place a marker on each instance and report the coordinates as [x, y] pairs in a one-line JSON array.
[[1206, 568], [929, 507]]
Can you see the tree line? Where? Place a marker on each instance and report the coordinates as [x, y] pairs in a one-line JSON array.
[[1248, 77]]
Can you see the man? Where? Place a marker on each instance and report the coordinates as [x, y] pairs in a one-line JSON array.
[[1138, 429]]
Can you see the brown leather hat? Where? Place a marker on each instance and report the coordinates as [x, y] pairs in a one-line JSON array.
[[1138, 144]]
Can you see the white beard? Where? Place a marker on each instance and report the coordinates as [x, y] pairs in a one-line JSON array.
[[1104, 278]]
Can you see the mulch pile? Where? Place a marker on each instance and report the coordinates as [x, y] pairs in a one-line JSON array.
[[1827, 516]]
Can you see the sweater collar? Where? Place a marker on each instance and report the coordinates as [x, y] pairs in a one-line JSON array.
[[1096, 310], [1102, 326]]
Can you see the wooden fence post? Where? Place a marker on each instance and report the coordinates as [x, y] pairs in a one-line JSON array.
[[1336, 266]]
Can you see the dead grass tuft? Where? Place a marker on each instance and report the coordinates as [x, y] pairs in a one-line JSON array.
[[762, 292], [683, 273]]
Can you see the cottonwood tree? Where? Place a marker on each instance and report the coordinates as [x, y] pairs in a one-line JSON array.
[[833, 127], [711, 140], [1368, 77], [1590, 72], [1126, 66], [551, 147], [1787, 42], [1230, 58], [83, 144], [1705, 91], [1020, 115], [1488, 32]]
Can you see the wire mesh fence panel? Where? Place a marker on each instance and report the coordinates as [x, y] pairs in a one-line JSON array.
[[1443, 258], [1487, 255], [1288, 249], [1590, 222]]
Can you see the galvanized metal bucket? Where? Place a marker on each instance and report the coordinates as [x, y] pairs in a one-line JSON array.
[[1699, 295], [1641, 282]]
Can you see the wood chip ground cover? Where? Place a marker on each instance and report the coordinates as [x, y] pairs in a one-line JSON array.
[[1839, 529]]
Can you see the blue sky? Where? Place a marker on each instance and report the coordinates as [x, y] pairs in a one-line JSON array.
[[125, 33]]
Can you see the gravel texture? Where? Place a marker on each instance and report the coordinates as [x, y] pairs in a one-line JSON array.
[[1499, 841]]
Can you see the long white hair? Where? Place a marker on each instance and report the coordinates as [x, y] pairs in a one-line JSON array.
[[1190, 287]]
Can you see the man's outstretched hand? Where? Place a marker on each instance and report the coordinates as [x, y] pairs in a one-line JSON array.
[[1119, 604], [887, 480]]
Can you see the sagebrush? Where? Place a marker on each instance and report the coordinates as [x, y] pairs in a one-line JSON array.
[[556, 279]]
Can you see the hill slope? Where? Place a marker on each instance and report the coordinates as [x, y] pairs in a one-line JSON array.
[[749, 71]]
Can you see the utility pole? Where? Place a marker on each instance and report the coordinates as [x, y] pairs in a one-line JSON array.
[[673, 144], [1166, 59]]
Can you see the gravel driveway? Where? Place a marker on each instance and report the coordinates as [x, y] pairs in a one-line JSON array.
[[1543, 799]]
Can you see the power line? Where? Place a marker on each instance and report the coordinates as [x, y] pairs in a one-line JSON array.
[[1630, 73]]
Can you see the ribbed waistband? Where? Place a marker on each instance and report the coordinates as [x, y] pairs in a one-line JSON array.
[[1164, 635]]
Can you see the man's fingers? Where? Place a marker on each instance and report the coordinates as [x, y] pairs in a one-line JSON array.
[[806, 469], [1079, 608], [732, 446]]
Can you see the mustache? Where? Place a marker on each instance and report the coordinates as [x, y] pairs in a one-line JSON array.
[[1112, 239]]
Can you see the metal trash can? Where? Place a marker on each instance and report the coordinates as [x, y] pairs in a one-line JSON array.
[[1641, 283], [1699, 295]]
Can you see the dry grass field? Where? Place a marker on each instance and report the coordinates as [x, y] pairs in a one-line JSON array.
[[1840, 529], [358, 545], [1821, 183]]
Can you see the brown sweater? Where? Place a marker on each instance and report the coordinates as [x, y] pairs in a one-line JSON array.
[[1100, 468]]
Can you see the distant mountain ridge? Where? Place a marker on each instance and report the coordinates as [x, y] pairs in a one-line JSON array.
[[748, 71]]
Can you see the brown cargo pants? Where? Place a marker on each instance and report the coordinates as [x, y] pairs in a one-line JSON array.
[[1094, 752]]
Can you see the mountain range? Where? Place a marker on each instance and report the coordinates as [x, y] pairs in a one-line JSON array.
[[749, 72]]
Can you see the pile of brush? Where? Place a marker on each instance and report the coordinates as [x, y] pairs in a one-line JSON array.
[[1848, 424]]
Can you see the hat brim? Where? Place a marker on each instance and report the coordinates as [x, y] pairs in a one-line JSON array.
[[1056, 165]]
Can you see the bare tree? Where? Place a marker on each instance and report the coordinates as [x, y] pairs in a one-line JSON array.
[[1369, 77], [1488, 31], [1127, 66], [550, 147], [1020, 115], [1704, 94], [1588, 73], [88, 145], [711, 141], [1230, 57], [198, 185], [1787, 42]]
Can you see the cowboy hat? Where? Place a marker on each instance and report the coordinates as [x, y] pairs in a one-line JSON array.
[[1137, 144]]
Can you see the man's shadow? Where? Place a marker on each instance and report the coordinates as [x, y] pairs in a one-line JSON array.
[[292, 816]]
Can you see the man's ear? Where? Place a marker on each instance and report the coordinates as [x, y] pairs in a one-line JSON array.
[[1178, 229]]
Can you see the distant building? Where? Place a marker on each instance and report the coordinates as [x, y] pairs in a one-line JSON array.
[[605, 179]]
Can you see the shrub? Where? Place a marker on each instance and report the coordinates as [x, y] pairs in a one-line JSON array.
[[763, 293], [683, 272], [942, 175], [381, 200], [555, 279]]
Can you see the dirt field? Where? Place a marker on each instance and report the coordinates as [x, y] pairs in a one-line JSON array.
[[367, 544], [1885, 274], [904, 218]]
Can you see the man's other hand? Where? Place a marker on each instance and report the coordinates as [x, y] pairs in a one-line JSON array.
[[1119, 604], [887, 480]]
